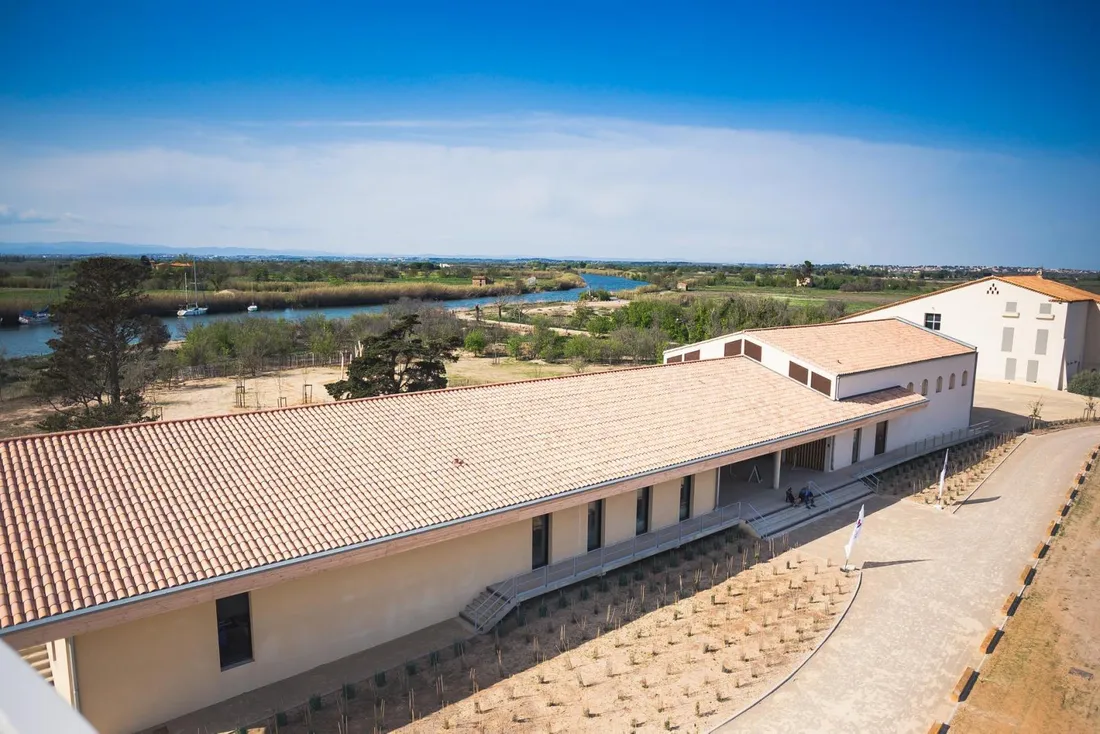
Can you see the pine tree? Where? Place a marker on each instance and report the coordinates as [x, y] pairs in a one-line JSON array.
[[398, 360], [102, 358]]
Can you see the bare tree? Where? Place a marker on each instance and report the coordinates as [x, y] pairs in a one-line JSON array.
[[502, 301], [1035, 417]]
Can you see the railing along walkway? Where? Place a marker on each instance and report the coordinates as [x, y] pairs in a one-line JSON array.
[[504, 596], [922, 447]]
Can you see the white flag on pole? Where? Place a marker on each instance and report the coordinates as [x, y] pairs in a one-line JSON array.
[[855, 536], [943, 473]]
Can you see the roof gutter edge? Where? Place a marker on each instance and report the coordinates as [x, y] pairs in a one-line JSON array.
[[159, 593]]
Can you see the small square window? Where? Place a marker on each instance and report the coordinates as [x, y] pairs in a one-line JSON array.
[[932, 321], [1045, 309], [1010, 307]]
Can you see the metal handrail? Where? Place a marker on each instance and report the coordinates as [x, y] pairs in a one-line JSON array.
[[521, 587], [926, 445], [818, 492]]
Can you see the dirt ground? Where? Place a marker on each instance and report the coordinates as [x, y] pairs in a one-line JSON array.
[[1011, 403], [217, 396], [1045, 674], [680, 642]]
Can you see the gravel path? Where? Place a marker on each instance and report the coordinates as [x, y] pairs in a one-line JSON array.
[[933, 585]]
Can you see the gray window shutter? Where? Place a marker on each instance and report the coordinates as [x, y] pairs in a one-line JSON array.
[[1006, 339], [1010, 368], [1033, 370], [1041, 341]]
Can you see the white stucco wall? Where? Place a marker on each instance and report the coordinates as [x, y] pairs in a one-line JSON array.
[[145, 672], [974, 316], [946, 410]]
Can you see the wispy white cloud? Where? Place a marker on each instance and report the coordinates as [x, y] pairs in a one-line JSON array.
[[548, 185], [10, 215]]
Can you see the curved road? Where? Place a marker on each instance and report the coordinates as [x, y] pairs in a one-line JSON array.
[[933, 584]]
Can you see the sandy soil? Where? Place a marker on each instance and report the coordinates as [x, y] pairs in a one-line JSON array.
[[1045, 673], [567, 309], [217, 396], [636, 653], [968, 465]]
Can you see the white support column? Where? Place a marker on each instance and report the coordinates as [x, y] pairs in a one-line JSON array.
[[775, 474]]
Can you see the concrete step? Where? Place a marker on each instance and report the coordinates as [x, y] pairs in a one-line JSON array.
[[38, 657], [789, 518]]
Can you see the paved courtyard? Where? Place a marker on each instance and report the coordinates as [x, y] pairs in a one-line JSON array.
[[933, 584], [1011, 403]]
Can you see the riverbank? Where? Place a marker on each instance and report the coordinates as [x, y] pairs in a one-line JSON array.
[[32, 340], [166, 303]]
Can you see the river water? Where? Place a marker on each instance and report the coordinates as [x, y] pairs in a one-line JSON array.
[[30, 340]]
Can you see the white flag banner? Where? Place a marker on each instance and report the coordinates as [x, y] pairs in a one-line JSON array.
[[855, 536], [943, 472]]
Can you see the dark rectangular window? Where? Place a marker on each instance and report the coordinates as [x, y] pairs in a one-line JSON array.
[[932, 321], [641, 519], [674, 358], [880, 437], [692, 356], [821, 383], [733, 348], [234, 630], [752, 351], [798, 372], [686, 484], [540, 541], [857, 439], [595, 525]]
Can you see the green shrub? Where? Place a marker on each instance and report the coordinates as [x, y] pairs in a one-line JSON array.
[[476, 342], [380, 679], [315, 703], [1086, 383]]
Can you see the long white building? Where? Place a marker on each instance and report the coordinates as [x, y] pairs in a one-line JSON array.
[[846, 360], [1027, 329]]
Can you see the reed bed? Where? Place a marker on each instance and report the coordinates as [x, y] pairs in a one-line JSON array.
[[166, 303]]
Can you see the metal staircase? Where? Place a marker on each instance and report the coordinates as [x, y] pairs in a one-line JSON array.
[[493, 604], [38, 657]]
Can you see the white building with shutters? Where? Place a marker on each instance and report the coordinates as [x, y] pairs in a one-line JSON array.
[[1027, 329]]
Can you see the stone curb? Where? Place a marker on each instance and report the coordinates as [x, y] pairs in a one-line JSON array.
[[988, 645], [801, 664]]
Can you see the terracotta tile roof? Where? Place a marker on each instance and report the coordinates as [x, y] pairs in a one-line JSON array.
[[857, 346], [94, 516], [1053, 288]]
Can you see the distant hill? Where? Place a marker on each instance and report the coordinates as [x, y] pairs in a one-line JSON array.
[[78, 249]]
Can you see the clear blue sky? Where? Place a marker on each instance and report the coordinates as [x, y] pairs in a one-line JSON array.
[[697, 129]]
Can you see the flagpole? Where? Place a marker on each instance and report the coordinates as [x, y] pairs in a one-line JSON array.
[[943, 478], [852, 540]]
